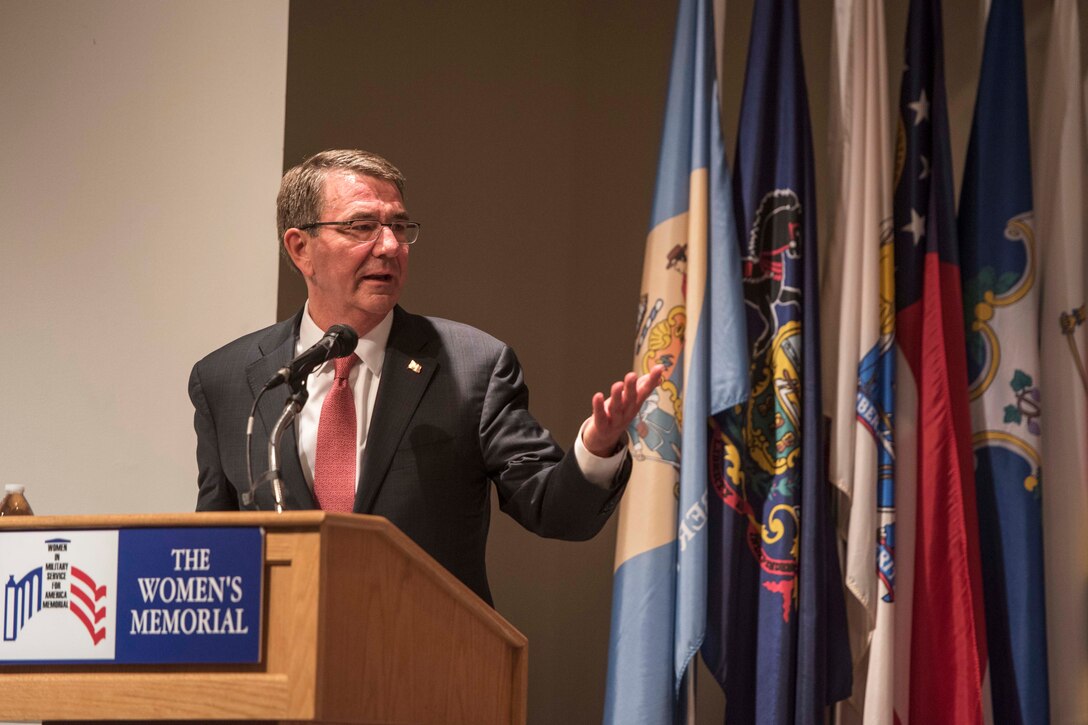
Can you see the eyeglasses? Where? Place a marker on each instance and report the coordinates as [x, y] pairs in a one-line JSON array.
[[365, 231]]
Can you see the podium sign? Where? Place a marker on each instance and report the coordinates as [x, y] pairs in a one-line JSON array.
[[132, 596]]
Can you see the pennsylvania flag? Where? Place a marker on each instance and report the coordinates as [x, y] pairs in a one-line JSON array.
[[690, 319], [945, 622], [999, 269], [776, 638]]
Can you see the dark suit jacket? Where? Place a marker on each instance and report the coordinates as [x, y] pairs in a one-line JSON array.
[[436, 439]]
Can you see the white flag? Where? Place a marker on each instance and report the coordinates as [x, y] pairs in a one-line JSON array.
[[859, 339], [1061, 197]]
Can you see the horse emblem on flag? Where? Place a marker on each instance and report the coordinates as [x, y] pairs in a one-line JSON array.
[[771, 265], [756, 449]]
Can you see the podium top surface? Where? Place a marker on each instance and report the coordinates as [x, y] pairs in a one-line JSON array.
[[267, 519]]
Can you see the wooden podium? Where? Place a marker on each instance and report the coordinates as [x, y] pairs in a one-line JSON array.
[[360, 626]]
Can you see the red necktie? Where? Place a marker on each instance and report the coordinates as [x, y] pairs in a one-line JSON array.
[[334, 468]]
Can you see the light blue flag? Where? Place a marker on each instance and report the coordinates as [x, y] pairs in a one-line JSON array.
[[691, 321]]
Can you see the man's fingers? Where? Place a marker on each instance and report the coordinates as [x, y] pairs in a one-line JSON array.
[[598, 405], [625, 399], [615, 400], [648, 382], [628, 404]]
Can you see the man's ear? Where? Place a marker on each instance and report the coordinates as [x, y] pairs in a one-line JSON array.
[[297, 244]]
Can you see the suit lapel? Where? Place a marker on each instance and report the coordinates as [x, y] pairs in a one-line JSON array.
[[410, 363], [276, 350]]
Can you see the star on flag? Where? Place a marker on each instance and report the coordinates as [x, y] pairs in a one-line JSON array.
[[917, 226], [920, 108]]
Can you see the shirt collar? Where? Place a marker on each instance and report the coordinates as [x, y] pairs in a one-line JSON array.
[[371, 347]]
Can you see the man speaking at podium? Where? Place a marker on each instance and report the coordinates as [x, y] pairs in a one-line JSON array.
[[415, 424]]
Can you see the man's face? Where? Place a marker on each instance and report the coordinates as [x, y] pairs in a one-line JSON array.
[[347, 281]]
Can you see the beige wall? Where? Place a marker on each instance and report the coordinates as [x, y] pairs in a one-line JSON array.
[[141, 145]]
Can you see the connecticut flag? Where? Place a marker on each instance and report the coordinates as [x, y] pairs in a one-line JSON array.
[[690, 320], [999, 268]]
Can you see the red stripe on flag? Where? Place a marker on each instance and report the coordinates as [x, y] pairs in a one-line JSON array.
[[948, 625]]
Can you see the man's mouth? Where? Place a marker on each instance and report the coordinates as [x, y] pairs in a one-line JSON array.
[[378, 277]]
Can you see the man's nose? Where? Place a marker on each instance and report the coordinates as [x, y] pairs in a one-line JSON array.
[[386, 245]]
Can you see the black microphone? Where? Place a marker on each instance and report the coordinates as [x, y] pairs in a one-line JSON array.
[[339, 340]]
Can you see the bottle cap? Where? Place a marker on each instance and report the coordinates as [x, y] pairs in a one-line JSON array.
[[14, 488]]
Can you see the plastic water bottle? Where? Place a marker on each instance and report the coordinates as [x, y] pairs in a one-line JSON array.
[[14, 502]]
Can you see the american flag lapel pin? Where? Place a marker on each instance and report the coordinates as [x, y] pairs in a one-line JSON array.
[[415, 367]]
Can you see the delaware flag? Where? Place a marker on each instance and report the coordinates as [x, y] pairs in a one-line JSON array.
[[998, 256], [690, 320], [945, 630], [859, 342], [776, 636], [1061, 208]]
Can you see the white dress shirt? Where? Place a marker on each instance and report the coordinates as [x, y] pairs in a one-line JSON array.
[[364, 380]]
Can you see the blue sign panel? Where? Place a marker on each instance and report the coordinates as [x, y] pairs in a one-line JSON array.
[[189, 595]]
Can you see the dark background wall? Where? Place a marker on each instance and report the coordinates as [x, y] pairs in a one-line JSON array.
[[528, 133], [529, 136]]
